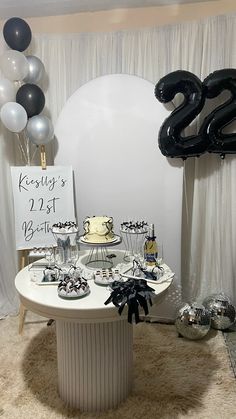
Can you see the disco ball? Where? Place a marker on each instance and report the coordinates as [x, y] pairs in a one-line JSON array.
[[193, 321], [222, 311]]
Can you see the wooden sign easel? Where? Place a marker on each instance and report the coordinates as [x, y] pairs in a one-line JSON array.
[[25, 252]]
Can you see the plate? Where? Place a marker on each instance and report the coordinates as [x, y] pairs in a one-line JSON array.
[[116, 239], [134, 232], [166, 276], [74, 298], [103, 282], [37, 276]]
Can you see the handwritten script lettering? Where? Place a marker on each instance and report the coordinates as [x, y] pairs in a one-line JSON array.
[[41, 199], [30, 228], [25, 182], [41, 204]]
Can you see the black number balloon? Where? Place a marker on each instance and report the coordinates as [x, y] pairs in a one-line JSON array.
[[171, 142], [213, 125]]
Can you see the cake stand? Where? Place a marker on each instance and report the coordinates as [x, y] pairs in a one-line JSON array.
[[134, 242], [98, 256]]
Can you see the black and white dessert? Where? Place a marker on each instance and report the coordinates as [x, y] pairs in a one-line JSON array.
[[66, 236], [134, 227], [141, 270], [106, 276], [73, 286], [66, 228]]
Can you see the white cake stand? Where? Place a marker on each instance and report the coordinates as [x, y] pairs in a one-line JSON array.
[[98, 256]]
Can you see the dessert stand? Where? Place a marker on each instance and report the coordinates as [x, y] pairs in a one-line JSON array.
[[94, 342], [133, 242], [98, 256]]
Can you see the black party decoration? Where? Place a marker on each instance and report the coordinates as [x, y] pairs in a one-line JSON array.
[[221, 116], [134, 293], [32, 98], [171, 142], [17, 33]]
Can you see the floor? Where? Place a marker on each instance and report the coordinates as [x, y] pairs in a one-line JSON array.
[[230, 340]]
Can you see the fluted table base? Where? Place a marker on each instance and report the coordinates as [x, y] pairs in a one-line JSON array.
[[94, 363]]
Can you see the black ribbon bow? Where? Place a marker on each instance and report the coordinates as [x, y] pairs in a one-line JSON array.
[[134, 293]]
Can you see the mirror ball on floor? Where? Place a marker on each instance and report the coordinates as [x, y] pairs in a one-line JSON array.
[[222, 311], [193, 321]]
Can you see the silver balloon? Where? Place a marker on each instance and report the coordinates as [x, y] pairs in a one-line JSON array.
[[222, 311], [39, 130], [193, 321], [36, 70]]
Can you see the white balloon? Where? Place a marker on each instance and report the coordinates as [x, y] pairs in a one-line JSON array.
[[14, 65], [36, 70], [40, 129], [13, 116], [7, 91]]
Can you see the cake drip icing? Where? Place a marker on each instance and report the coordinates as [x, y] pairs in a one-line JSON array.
[[98, 229]]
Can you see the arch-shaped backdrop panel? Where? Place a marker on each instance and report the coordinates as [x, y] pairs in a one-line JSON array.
[[108, 132]]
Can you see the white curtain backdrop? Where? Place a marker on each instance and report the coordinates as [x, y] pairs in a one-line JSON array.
[[209, 203]]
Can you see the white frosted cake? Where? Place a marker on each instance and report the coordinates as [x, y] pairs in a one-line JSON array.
[[98, 229]]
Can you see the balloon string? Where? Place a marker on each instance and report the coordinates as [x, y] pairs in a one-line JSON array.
[[21, 148], [26, 141], [34, 153]]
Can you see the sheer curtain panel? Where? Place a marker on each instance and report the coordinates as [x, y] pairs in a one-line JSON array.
[[209, 203]]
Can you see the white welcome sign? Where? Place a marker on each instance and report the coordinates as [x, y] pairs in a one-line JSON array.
[[41, 198]]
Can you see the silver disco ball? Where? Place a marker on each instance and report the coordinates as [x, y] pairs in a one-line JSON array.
[[222, 311], [193, 321]]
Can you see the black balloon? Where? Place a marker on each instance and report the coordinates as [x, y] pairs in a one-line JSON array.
[[220, 117], [171, 142], [17, 33], [32, 98]]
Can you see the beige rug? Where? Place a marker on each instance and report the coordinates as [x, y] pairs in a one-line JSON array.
[[173, 377]]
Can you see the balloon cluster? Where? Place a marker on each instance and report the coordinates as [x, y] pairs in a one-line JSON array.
[[21, 99], [194, 320], [210, 137]]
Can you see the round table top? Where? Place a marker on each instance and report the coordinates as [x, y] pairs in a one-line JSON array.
[[44, 300]]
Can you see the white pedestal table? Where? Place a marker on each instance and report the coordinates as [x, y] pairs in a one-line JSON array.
[[94, 343]]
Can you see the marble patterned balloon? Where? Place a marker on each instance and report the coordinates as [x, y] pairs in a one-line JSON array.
[[193, 321], [222, 311]]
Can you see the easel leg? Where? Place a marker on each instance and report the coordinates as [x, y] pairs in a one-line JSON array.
[[22, 314], [23, 310]]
